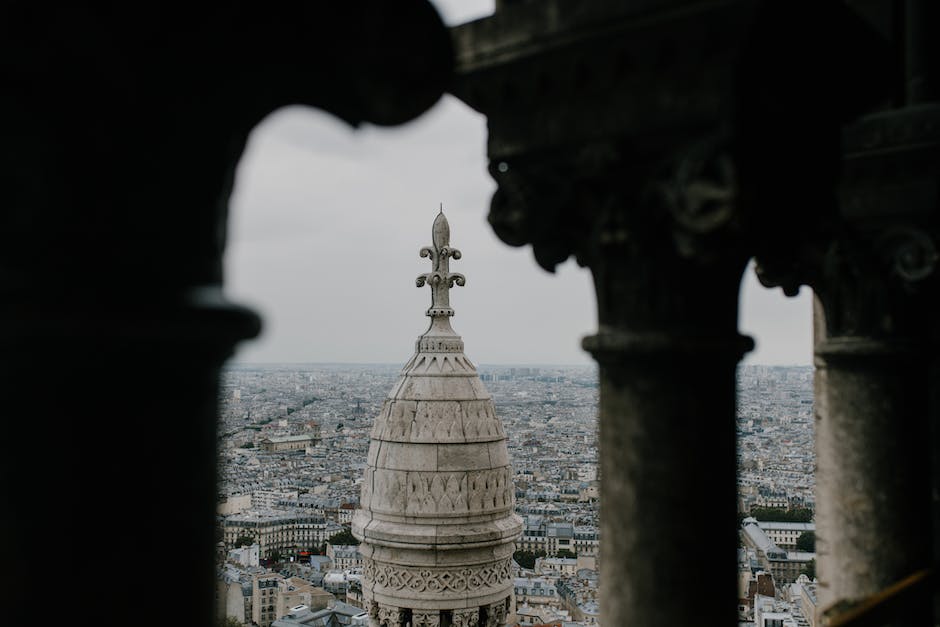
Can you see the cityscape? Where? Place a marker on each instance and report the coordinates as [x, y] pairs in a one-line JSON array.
[[293, 446]]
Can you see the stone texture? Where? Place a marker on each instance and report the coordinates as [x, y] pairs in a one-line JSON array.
[[436, 519]]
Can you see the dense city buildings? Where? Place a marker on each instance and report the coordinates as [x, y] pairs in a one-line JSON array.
[[776, 459], [289, 503]]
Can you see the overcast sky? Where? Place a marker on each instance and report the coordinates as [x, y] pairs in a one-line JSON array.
[[324, 232]]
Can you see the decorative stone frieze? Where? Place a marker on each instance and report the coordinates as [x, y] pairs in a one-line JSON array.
[[388, 578], [409, 420], [437, 493], [436, 518]]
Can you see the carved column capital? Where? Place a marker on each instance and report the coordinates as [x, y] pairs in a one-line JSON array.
[[660, 228], [469, 617], [426, 619], [872, 261], [496, 614], [386, 615]]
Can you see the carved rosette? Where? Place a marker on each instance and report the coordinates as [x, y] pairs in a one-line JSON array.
[[438, 481]]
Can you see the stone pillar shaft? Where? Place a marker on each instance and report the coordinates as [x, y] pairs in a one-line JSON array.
[[872, 479], [667, 455], [667, 351]]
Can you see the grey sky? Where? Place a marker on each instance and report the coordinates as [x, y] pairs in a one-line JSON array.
[[325, 228]]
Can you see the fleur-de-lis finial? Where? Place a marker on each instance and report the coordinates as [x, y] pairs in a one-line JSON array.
[[441, 279]]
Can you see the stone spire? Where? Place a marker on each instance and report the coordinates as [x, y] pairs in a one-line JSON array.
[[436, 519], [440, 278]]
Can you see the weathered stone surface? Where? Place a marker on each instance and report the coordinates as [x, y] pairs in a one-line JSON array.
[[436, 519]]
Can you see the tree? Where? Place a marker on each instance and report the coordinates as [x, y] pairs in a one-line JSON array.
[[526, 559], [343, 537], [228, 621], [275, 555], [244, 541], [777, 514], [810, 569], [566, 554], [806, 542]]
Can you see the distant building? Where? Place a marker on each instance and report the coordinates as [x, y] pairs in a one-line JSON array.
[[769, 613], [284, 443], [785, 566], [785, 534], [284, 532], [264, 598], [270, 499], [245, 556], [540, 534], [803, 594], [536, 591], [338, 615], [337, 582], [556, 565], [344, 557], [295, 591], [234, 504]]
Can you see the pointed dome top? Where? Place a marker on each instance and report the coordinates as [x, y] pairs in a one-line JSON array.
[[441, 279], [436, 519]]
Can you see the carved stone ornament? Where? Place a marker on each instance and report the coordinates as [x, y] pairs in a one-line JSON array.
[[438, 476], [430, 493], [469, 579], [496, 615], [389, 616], [441, 279], [910, 252], [426, 619], [469, 617]]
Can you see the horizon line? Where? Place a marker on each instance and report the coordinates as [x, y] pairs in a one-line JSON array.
[[389, 363]]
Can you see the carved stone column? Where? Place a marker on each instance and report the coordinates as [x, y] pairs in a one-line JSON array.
[[657, 142], [877, 302], [659, 232], [667, 346], [121, 137]]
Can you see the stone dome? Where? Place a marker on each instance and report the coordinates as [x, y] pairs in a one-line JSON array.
[[436, 520]]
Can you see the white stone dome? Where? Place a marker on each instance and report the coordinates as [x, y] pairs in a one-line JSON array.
[[436, 520]]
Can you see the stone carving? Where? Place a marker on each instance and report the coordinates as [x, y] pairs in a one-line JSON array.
[[438, 455], [910, 251], [441, 279], [439, 493], [389, 616], [441, 345], [426, 619], [469, 617], [467, 579], [405, 420], [701, 197], [496, 615]]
